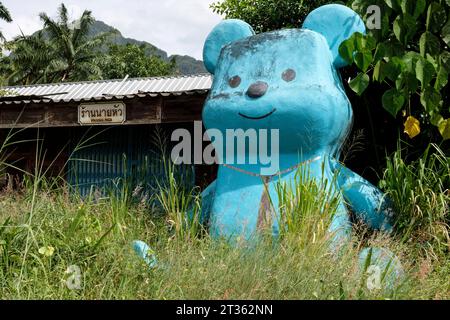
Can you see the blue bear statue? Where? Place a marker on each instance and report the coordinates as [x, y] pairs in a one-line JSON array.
[[286, 80]]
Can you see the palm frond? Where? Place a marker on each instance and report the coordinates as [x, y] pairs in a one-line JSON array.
[[82, 28], [4, 13], [61, 52], [63, 16]]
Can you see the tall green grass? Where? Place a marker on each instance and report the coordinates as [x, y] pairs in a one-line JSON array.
[[46, 230], [181, 206], [180, 202], [421, 196], [67, 230], [8, 142], [306, 206]]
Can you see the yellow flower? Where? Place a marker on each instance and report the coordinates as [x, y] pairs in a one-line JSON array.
[[412, 127], [444, 129], [47, 251]]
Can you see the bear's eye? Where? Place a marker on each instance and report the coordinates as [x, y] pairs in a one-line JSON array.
[[288, 75], [234, 82]]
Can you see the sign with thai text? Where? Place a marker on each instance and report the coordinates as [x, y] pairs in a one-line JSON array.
[[101, 113]]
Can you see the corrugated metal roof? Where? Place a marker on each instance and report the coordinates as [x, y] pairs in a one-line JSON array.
[[107, 89]]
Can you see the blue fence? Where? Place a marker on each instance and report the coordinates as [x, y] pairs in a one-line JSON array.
[[105, 159]]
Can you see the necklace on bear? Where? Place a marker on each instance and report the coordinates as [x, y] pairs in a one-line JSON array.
[[270, 177], [266, 210]]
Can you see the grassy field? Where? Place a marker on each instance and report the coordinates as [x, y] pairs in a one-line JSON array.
[[56, 245], [44, 233]]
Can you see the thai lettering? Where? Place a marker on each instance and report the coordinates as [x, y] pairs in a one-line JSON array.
[[102, 113]]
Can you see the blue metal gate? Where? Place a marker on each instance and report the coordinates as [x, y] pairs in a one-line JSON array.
[[105, 159]]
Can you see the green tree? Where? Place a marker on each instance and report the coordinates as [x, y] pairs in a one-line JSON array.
[[61, 51], [30, 60], [409, 58], [75, 55], [132, 60], [268, 15], [4, 63], [4, 15]]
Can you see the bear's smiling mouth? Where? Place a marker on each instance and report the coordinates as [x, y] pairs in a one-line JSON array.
[[258, 118]]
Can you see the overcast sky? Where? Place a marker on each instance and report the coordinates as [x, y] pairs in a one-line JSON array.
[[175, 26]]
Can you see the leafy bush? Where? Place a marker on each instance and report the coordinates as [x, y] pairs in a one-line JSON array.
[[409, 56], [61, 51], [132, 60], [421, 196], [268, 15]]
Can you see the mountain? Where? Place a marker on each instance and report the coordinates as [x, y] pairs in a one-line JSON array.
[[188, 65], [185, 64]]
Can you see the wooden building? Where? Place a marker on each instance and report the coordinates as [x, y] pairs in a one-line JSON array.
[[92, 132]]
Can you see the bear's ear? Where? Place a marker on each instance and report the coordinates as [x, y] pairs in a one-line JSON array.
[[224, 33], [336, 23]]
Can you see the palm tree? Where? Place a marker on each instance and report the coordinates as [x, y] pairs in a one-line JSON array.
[[61, 51], [4, 63], [76, 54], [4, 15], [31, 59]]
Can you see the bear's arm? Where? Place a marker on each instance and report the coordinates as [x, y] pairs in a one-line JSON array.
[[368, 202]]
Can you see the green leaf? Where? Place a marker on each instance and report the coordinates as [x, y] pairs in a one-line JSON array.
[[429, 43], [393, 101], [411, 25], [409, 61], [432, 60], [435, 118], [436, 17], [445, 33], [393, 4], [386, 28], [413, 7], [347, 49], [393, 68], [420, 6], [393, 48], [360, 83], [441, 79], [378, 74], [444, 129], [405, 27], [408, 82], [430, 99], [363, 59], [398, 26], [369, 42], [380, 52], [444, 58], [424, 72], [359, 41]]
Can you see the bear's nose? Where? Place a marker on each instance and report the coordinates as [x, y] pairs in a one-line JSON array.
[[257, 89]]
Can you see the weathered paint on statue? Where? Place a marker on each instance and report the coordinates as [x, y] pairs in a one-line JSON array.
[[286, 80]]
